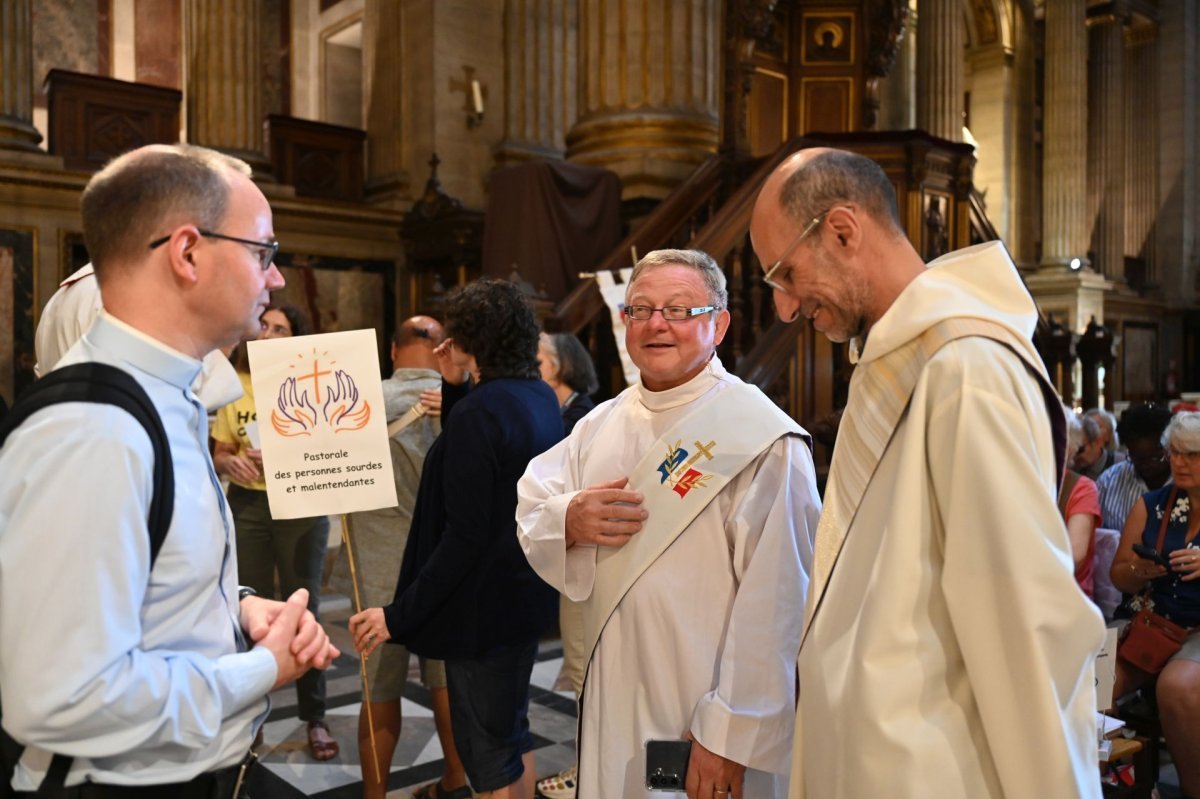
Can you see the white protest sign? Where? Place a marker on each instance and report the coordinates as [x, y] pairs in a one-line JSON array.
[[614, 297], [321, 423]]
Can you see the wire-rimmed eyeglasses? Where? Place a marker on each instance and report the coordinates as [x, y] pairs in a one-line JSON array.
[[769, 275], [267, 250]]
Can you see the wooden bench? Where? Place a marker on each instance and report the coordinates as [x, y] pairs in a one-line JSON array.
[[1145, 771]]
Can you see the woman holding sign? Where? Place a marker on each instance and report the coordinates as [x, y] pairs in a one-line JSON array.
[[466, 593], [296, 547]]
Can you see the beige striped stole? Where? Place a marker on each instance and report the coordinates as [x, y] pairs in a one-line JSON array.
[[880, 391]]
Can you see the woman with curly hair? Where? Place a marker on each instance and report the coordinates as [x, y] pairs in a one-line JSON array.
[[466, 593]]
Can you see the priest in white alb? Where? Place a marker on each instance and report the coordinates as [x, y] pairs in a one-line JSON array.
[[681, 513]]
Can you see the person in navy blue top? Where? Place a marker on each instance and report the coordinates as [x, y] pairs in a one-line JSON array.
[[466, 593], [1172, 591]]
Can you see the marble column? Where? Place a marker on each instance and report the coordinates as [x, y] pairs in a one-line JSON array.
[[16, 77], [224, 78], [387, 177], [940, 53], [1141, 150], [1106, 144], [648, 90], [1064, 153], [540, 53]]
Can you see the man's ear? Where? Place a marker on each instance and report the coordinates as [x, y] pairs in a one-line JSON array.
[[846, 226], [722, 326], [181, 253]]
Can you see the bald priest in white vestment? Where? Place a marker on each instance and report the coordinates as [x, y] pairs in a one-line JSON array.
[[694, 573], [948, 651]]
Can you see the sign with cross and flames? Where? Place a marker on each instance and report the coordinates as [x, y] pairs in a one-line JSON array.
[[319, 403]]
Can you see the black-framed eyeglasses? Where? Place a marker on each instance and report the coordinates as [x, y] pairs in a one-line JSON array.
[[672, 313], [267, 249], [769, 275]]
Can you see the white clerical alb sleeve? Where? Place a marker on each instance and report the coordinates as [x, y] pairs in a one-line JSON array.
[[543, 494], [749, 717]]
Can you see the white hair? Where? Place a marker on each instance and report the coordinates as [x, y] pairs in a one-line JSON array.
[[1183, 432], [1076, 436], [1107, 420]]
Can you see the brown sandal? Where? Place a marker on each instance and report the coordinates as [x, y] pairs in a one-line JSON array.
[[321, 744]]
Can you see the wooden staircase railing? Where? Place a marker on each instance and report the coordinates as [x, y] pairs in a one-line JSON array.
[[758, 347], [981, 227]]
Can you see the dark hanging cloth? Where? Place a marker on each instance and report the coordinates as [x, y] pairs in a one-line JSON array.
[[552, 220]]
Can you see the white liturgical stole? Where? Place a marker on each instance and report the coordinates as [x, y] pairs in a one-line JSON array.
[[682, 472]]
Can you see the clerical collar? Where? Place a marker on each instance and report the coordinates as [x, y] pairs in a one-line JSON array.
[[143, 351], [712, 373]]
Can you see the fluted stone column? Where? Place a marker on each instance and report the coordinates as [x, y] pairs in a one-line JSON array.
[[1106, 144], [541, 54], [1064, 154], [224, 78], [940, 43], [648, 90], [16, 77], [387, 176], [1141, 150]]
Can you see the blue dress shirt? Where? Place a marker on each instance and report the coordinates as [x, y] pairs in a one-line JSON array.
[[135, 672]]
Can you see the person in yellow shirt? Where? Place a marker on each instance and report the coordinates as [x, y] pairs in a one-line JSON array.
[[296, 547]]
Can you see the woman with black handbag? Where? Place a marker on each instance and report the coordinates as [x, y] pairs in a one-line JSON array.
[[1159, 560]]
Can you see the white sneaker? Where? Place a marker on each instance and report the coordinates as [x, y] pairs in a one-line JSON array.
[[560, 786]]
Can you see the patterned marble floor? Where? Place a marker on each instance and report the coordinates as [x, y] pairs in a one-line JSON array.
[[290, 772]]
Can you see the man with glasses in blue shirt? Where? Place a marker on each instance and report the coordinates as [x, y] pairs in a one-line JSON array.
[[948, 651], [151, 677]]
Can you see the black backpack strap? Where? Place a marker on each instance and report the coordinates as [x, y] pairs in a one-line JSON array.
[[109, 385]]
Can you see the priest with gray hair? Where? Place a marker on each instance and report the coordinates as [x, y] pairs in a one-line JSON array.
[[681, 514]]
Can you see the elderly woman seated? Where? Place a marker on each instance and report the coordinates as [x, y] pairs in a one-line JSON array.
[[1079, 504], [1172, 589]]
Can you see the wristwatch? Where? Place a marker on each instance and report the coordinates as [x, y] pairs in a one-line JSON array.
[[246, 591]]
